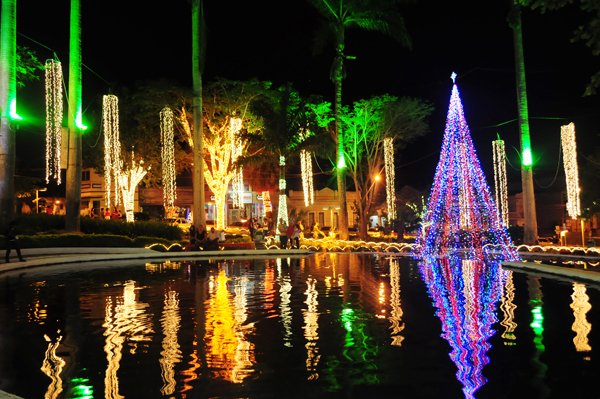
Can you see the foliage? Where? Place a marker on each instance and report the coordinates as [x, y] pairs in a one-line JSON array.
[[588, 32], [365, 126], [31, 224], [29, 68]]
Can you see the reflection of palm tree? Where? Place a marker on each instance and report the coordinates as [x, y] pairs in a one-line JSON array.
[[373, 15]]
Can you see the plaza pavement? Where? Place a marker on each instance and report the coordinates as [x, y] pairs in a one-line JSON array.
[[42, 257]]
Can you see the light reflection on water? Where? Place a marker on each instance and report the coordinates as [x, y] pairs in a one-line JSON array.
[[330, 325]]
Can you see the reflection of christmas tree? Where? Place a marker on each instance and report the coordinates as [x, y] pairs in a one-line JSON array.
[[465, 293], [461, 214]]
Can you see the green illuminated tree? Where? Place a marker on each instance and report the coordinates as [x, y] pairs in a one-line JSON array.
[[530, 230], [365, 126], [371, 15], [16, 67], [75, 125]]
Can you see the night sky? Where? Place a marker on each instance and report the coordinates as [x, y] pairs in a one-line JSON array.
[[126, 41]]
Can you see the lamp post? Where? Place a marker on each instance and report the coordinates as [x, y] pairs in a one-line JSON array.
[[37, 198]]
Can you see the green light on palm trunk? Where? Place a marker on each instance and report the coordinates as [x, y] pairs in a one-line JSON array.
[[13, 110], [79, 121], [527, 159]]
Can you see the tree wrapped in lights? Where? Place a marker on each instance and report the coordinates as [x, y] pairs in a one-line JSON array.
[[54, 117], [461, 214], [569, 149], [167, 142], [128, 181], [501, 190], [112, 148], [390, 176], [307, 177], [237, 182]]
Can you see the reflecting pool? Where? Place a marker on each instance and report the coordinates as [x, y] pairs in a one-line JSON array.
[[324, 326]]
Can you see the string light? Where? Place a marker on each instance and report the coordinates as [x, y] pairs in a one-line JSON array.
[[167, 142], [128, 181], [54, 117], [237, 182], [307, 177], [282, 212], [569, 148], [461, 214], [390, 176], [112, 147], [501, 190], [581, 327]]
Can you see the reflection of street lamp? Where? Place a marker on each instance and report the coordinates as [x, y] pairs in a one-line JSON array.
[[37, 198]]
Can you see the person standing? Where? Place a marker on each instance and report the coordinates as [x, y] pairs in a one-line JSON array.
[[295, 240], [283, 238], [12, 241]]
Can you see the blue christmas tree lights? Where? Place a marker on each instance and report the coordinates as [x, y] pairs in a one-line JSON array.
[[461, 214]]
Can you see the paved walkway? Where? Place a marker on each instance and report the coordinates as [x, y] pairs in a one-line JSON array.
[[39, 257]]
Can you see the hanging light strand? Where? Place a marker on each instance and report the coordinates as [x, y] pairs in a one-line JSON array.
[[237, 183], [307, 177], [54, 117], [282, 212], [167, 141], [500, 184], [112, 147], [390, 176], [569, 147]]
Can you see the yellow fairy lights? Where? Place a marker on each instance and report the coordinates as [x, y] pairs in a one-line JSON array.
[[112, 147], [581, 327], [128, 181], [500, 185], [569, 148], [307, 177], [54, 117], [282, 212], [237, 182], [168, 157], [390, 176]]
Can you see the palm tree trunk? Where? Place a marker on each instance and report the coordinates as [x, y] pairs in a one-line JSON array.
[[338, 76], [73, 183], [8, 79], [530, 226], [198, 171]]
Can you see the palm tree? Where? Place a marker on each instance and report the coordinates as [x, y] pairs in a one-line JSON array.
[[281, 112], [372, 15], [73, 184], [530, 226], [8, 90], [198, 56]]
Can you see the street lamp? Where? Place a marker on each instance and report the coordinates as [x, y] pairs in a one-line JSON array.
[[37, 198]]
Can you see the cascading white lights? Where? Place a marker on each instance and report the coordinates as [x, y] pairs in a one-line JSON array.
[[167, 142], [390, 176], [112, 148], [500, 185], [237, 182], [307, 177], [54, 117], [569, 149], [282, 212]]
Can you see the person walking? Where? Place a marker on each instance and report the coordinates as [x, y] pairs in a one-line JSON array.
[[295, 240], [12, 241], [283, 237]]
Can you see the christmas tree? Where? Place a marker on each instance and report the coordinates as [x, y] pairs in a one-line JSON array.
[[461, 214]]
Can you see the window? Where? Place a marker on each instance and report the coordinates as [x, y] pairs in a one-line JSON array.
[[85, 175], [321, 219], [311, 218]]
